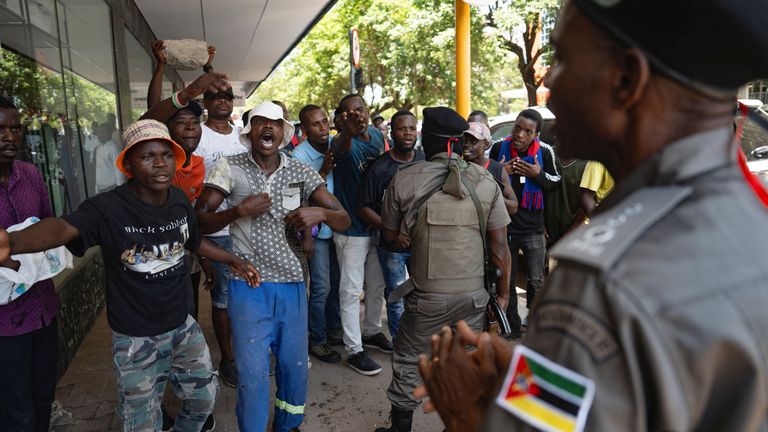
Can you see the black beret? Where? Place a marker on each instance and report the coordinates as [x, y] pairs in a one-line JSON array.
[[714, 46], [443, 122]]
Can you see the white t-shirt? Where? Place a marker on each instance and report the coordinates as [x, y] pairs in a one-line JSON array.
[[107, 174], [214, 146]]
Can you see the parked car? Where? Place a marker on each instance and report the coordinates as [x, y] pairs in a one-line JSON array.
[[754, 142]]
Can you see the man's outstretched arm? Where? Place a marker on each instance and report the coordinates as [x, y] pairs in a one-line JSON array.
[[47, 234]]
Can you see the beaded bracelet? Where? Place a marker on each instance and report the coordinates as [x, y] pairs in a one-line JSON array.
[[175, 101]]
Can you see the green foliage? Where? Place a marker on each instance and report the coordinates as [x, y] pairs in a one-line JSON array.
[[517, 26], [407, 52], [40, 91]]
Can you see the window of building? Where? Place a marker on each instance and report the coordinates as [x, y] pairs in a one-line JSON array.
[[57, 64]]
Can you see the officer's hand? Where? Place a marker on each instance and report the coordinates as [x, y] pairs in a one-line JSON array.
[[305, 218], [255, 205], [501, 347], [460, 385], [525, 169]]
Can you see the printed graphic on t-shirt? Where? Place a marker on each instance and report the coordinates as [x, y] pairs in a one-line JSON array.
[[155, 259]]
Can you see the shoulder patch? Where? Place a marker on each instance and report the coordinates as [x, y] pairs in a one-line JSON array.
[[590, 331], [544, 394], [608, 235]]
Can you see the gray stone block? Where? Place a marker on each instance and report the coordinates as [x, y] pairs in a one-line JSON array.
[[186, 54]]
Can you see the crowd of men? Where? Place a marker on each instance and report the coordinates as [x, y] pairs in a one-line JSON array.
[[291, 235]]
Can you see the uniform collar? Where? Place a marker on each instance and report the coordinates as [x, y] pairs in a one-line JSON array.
[[682, 160]]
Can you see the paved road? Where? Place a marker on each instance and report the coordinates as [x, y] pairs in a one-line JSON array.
[[340, 399]]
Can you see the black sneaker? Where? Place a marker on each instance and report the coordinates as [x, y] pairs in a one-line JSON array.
[[228, 373], [325, 353], [378, 341], [363, 364], [209, 425]]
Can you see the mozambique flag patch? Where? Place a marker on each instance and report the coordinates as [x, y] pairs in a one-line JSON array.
[[545, 394]]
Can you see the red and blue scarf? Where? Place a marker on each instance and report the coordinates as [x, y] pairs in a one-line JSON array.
[[533, 196]]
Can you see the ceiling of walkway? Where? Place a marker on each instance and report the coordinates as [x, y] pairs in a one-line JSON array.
[[251, 36]]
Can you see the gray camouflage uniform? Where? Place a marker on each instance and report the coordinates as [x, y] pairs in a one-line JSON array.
[[144, 364], [662, 299]]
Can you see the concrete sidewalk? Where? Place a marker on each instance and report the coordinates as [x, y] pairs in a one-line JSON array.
[[339, 400]]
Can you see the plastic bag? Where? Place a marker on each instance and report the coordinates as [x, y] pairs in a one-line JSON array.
[[34, 267]]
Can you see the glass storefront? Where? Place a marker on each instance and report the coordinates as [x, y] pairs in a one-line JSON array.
[[57, 65], [140, 71]]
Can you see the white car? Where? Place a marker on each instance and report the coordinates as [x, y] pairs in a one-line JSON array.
[[501, 126]]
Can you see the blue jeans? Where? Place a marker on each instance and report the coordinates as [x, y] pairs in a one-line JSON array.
[[323, 292], [393, 266], [270, 317], [219, 291], [534, 251]]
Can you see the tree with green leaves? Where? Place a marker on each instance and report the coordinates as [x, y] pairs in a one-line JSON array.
[[519, 26], [408, 59]]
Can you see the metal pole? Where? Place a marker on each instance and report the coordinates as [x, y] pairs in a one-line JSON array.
[[352, 88], [463, 73]]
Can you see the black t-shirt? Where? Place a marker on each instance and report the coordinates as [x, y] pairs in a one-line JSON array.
[[377, 177], [142, 246], [376, 180]]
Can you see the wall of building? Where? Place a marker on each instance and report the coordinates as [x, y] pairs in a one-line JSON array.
[[78, 71]]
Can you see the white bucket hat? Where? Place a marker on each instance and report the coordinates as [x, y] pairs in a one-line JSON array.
[[272, 112]]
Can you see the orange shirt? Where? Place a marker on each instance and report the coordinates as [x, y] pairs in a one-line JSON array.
[[190, 178]]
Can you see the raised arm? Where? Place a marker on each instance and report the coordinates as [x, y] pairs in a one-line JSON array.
[[165, 109], [155, 90], [353, 125], [47, 234], [327, 211]]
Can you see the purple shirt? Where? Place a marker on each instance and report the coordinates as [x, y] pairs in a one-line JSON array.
[[24, 197]]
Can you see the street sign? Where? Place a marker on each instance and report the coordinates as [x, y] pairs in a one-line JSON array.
[[354, 47]]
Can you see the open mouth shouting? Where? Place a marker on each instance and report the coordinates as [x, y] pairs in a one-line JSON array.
[[267, 139]]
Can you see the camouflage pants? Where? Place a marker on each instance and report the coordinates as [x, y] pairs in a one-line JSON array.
[[144, 364]]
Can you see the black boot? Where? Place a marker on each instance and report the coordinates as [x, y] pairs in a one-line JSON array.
[[401, 421]]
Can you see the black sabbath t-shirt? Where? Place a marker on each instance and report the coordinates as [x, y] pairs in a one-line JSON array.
[[148, 286]]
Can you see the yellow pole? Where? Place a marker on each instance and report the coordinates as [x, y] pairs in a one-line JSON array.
[[462, 59]]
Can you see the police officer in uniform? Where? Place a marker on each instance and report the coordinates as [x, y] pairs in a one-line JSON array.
[[654, 318], [429, 207]]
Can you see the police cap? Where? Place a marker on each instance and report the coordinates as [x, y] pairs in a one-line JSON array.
[[714, 46], [440, 124]]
